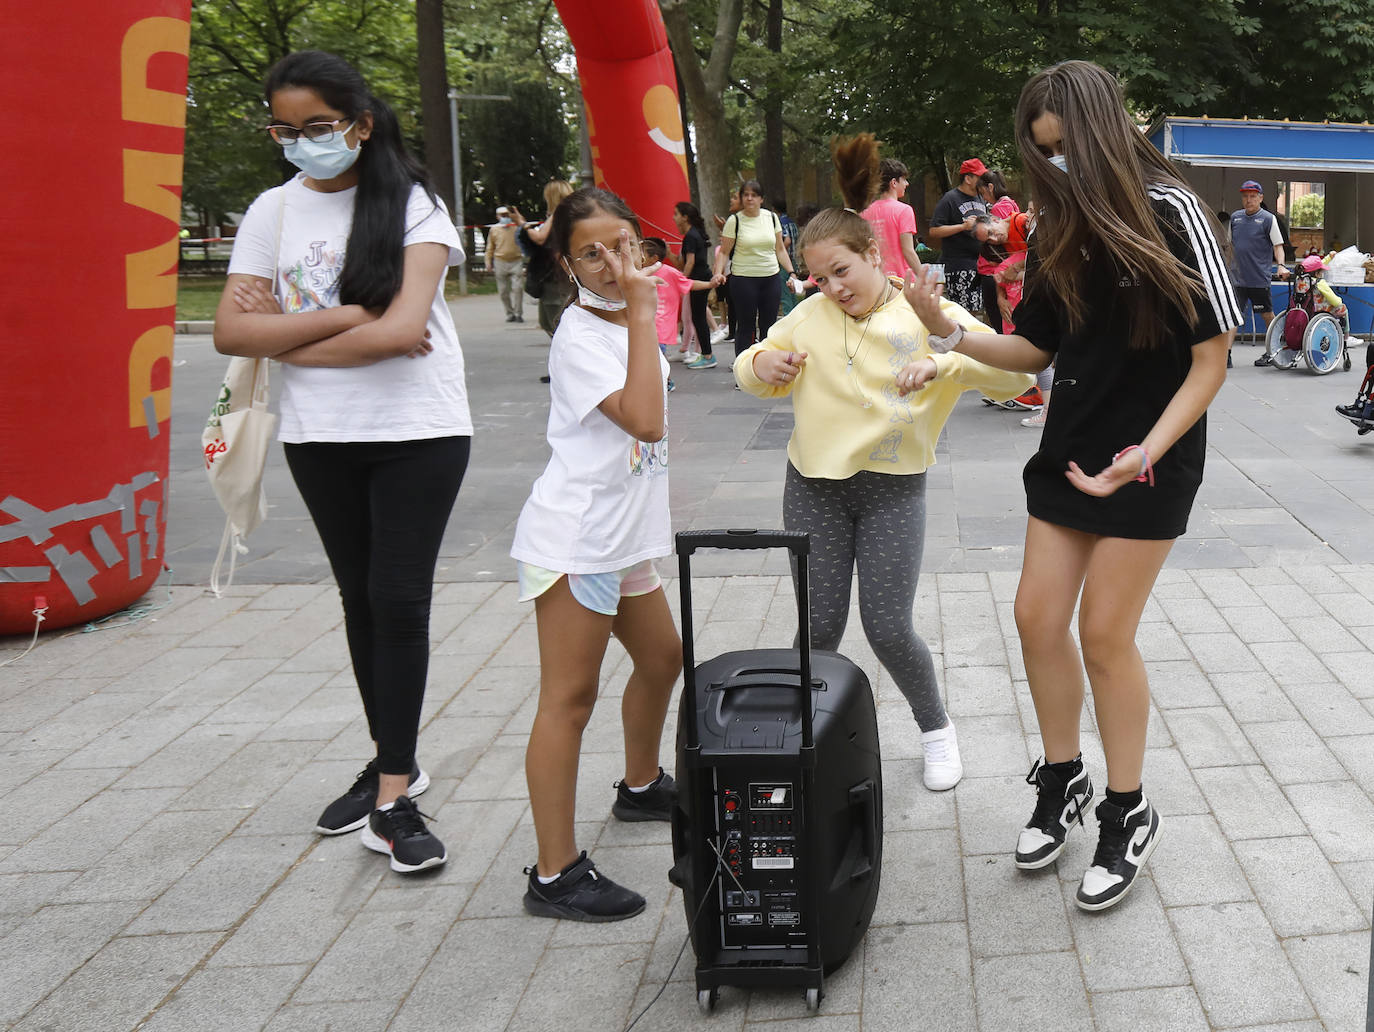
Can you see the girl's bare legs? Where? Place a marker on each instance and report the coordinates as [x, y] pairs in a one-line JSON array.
[[1121, 573], [1115, 576], [1052, 574], [572, 643], [645, 627]]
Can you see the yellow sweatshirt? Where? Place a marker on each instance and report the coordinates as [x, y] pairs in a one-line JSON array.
[[835, 435]]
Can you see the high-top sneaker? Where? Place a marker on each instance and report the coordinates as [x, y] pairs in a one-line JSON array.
[[1126, 838], [1058, 804]]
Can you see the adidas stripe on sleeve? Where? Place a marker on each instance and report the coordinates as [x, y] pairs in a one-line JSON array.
[[1206, 257]]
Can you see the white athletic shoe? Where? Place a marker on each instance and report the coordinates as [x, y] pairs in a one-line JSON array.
[[943, 768]]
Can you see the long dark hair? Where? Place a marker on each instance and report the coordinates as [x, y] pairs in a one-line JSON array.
[[692, 214], [374, 262], [993, 178], [1101, 206], [583, 204]]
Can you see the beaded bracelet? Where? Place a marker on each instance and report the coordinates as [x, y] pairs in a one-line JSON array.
[[1147, 469]]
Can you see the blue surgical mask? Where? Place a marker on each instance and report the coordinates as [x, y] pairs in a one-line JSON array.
[[323, 160], [1060, 162]]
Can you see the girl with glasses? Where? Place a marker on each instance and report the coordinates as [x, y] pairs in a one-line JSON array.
[[585, 546], [374, 411]]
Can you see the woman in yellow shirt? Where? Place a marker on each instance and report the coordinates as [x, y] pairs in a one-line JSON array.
[[862, 443], [751, 241]]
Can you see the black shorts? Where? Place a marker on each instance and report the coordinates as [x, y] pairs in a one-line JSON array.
[[1259, 298]]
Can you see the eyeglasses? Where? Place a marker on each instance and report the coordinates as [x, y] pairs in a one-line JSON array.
[[592, 262], [319, 132]]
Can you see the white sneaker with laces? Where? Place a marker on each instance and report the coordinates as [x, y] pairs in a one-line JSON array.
[[718, 335], [943, 768]]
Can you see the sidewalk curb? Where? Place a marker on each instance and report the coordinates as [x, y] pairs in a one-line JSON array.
[[194, 326]]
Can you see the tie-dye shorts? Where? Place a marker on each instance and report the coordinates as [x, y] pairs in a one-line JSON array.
[[599, 592]]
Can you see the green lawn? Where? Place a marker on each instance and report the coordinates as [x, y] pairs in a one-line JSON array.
[[198, 296]]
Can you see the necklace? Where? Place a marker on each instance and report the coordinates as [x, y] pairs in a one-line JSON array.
[[851, 356]]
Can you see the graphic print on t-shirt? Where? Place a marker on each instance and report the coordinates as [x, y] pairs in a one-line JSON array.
[[312, 282], [649, 459]]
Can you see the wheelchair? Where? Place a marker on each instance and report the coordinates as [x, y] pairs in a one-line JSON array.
[[1304, 334]]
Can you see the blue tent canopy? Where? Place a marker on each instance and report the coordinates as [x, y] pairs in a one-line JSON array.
[[1257, 143]]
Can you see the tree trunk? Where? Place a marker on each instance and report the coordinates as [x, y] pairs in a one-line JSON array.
[[434, 116], [771, 175], [705, 94]]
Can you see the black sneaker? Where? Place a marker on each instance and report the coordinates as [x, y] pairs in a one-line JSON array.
[[655, 803], [1057, 805], [581, 893], [1125, 841], [400, 833], [350, 811], [1264, 360]]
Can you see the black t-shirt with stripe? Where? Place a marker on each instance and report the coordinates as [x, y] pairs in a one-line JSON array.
[[1107, 396]]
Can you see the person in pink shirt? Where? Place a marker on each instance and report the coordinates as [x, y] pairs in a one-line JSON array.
[[674, 286], [893, 221], [1001, 205]]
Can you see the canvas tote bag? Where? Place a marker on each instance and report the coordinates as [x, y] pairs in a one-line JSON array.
[[234, 443]]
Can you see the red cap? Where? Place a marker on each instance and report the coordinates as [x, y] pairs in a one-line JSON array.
[[972, 167]]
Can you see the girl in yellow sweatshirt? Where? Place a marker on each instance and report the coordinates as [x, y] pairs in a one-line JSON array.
[[863, 439]]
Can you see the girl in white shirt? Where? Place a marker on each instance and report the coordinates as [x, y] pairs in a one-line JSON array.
[[585, 544], [374, 414]]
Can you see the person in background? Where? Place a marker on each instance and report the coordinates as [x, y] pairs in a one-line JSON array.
[[893, 221], [790, 233], [543, 278], [672, 286], [751, 241], [1256, 248], [955, 224], [695, 258], [1001, 205], [505, 258]]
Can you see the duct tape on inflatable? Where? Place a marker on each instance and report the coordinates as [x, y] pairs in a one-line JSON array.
[[90, 202], [630, 90]]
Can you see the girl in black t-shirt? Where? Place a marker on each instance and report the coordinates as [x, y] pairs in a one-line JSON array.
[[1126, 291], [696, 264]]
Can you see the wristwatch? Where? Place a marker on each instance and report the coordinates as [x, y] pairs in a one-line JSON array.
[[941, 345]]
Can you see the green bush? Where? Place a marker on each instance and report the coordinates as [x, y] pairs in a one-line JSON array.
[[1307, 211]]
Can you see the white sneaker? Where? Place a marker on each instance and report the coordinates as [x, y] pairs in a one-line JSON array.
[[943, 768], [690, 357], [718, 335]]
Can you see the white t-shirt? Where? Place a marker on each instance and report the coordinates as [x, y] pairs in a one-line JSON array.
[[601, 504], [399, 399]]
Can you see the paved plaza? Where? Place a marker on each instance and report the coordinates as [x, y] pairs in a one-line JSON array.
[[162, 775]]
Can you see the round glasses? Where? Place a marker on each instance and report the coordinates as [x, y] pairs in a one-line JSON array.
[[592, 262], [318, 132]]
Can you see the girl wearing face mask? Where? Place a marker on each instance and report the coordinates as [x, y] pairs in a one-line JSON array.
[[374, 412], [1126, 291], [857, 460], [585, 546]]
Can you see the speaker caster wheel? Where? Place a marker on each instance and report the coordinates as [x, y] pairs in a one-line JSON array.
[[706, 1000], [813, 1000]]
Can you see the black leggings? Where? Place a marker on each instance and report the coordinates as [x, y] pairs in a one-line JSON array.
[[381, 509], [756, 298], [699, 323]]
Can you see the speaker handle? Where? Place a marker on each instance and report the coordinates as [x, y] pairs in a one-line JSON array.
[[795, 541], [864, 797]]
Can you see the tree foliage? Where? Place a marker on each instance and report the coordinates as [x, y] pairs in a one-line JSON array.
[[1307, 211]]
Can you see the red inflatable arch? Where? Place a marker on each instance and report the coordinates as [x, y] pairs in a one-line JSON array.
[[90, 202], [629, 88]]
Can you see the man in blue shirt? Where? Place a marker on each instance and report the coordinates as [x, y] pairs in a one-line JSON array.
[[1257, 243]]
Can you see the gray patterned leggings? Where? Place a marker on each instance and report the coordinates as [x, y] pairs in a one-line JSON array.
[[878, 520]]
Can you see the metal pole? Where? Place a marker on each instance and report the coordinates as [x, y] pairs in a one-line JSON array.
[[458, 217]]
